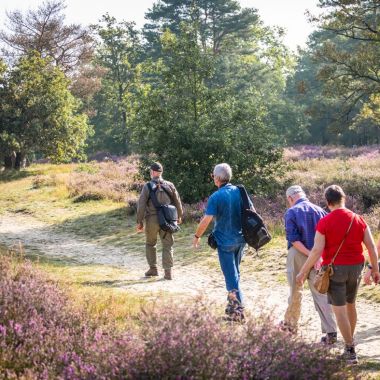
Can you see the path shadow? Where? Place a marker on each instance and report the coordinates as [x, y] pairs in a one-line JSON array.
[[368, 335], [117, 228], [121, 283], [14, 175]]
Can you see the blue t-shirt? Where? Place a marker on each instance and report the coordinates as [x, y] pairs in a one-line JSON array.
[[225, 206], [301, 221]]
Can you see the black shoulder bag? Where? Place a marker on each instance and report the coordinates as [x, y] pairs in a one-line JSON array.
[[254, 231], [167, 214]]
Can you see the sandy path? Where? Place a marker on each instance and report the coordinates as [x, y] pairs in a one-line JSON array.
[[190, 280]]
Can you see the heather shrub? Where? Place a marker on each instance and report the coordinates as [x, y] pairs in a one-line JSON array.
[[194, 212], [42, 336], [44, 181], [302, 152], [190, 342], [117, 181]]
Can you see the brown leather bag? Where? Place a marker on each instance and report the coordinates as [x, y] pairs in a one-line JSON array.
[[322, 278]]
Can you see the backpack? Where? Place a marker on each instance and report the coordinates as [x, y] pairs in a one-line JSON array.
[[167, 214], [254, 231]]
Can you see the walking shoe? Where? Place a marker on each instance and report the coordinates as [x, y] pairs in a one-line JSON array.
[[349, 355], [168, 274], [285, 326], [237, 316], [329, 338], [234, 309], [151, 272]]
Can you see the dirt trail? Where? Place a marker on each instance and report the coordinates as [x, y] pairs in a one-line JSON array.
[[189, 280]]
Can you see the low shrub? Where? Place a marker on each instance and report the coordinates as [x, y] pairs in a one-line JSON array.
[[43, 336], [117, 181], [44, 180]]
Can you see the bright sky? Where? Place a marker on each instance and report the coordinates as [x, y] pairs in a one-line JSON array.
[[289, 14]]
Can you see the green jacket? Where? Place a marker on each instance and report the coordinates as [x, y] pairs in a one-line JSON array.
[[145, 207]]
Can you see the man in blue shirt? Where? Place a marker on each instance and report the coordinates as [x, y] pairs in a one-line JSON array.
[[300, 224], [224, 206]]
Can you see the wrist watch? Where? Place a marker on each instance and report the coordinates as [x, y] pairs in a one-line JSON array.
[[369, 266]]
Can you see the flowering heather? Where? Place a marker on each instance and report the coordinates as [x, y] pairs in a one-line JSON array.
[[194, 212], [107, 180], [302, 152], [43, 337]]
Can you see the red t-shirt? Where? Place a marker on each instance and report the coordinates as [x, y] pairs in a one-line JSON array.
[[334, 226]]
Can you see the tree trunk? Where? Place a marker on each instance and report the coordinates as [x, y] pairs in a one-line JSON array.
[[9, 161], [20, 162], [8, 164]]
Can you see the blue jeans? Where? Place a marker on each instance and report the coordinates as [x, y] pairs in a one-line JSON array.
[[229, 259]]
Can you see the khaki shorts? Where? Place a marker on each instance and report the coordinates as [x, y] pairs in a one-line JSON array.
[[344, 284]]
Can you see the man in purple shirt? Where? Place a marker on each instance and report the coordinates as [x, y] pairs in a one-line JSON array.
[[300, 224]]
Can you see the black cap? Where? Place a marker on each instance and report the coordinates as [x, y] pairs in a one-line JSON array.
[[156, 166]]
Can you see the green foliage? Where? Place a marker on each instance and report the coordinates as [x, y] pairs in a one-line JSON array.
[[190, 127], [348, 56], [40, 112], [118, 53], [220, 22]]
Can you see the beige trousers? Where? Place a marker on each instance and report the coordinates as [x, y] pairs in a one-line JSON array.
[[294, 263], [152, 231]]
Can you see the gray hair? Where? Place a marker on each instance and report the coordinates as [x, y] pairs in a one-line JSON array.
[[295, 189], [223, 172]]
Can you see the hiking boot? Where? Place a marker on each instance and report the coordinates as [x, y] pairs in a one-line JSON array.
[[349, 355], [168, 274], [151, 272], [329, 338]]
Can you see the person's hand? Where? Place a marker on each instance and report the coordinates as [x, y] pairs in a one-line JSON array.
[[140, 227], [376, 277], [368, 277], [179, 221], [300, 279], [196, 242]]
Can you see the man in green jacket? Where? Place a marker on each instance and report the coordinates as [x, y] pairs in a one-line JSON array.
[[166, 193]]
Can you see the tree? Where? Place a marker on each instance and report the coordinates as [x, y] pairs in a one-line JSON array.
[[218, 21], [7, 142], [118, 54], [44, 31], [350, 61], [190, 127], [40, 112]]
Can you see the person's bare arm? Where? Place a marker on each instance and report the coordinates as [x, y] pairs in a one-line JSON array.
[[300, 247], [373, 258], [202, 226], [315, 254]]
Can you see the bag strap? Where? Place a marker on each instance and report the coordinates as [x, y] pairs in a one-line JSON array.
[[167, 192], [244, 196], [344, 238], [153, 196]]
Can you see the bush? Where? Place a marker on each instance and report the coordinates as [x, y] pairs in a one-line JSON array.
[[42, 336], [115, 181], [189, 342], [44, 181]]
